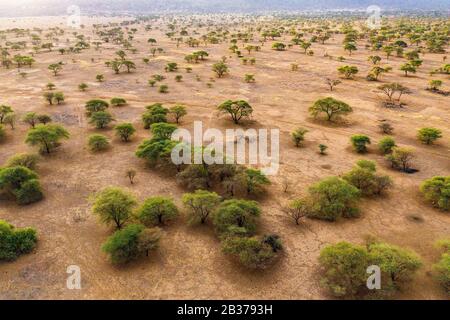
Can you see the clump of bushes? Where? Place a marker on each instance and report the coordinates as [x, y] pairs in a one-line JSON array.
[[360, 142], [344, 268], [131, 242], [363, 176], [115, 206], [15, 241], [437, 191], [236, 223], [155, 113], [26, 160], [442, 268], [333, 198], [21, 183]]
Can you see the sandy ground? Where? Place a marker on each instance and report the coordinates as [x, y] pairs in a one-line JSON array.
[[189, 263]]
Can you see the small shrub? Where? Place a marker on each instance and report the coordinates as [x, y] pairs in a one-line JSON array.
[[386, 144], [125, 131], [118, 102], [360, 142], [429, 135], [298, 136], [437, 191], [98, 142]]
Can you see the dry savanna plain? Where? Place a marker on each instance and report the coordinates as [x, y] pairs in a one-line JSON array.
[[189, 262]]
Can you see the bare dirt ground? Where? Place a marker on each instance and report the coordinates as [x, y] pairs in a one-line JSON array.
[[189, 263]]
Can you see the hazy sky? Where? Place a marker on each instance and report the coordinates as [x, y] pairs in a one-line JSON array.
[[59, 7]]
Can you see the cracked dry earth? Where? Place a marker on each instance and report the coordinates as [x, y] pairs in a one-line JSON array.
[[189, 263]]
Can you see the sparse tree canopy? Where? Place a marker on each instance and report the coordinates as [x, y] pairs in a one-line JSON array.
[[15, 241]]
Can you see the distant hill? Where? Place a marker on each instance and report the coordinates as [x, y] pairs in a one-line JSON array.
[[59, 7]]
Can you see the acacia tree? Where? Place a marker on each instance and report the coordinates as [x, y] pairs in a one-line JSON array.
[[331, 107], [46, 136], [236, 109], [113, 206], [55, 68], [130, 243], [332, 83], [333, 198], [178, 112], [95, 105], [220, 68], [157, 210], [429, 135], [125, 131], [348, 71], [298, 209], [200, 204]]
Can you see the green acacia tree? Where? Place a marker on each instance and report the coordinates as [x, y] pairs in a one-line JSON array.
[[200, 204], [157, 211], [298, 136], [236, 217], [436, 190], [95, 105], [98, 142], [130, 243], [236, 109], [220, 68], [331, 107], [178, 111], [429, 135], [101, 119], [46, 136], [255, 181], [125, 131], [333, 198], [360, 142], [113, 206], [22, 183]]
